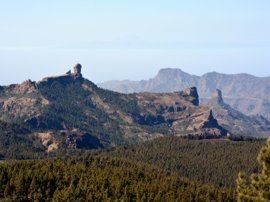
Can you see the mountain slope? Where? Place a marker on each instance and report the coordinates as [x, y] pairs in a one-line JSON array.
[[246, 93], [68, 110], [237, 122]]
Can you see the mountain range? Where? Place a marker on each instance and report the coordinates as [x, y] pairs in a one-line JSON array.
[[69, 111], [246, 93]]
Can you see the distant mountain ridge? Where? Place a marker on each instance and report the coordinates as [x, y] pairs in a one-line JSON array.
[[246, 93]]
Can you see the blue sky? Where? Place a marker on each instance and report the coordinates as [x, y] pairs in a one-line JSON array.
[[132, 39]]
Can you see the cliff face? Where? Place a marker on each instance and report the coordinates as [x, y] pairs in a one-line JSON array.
[[246, 93], [100, 117]]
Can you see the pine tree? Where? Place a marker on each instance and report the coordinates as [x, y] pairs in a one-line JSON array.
[[259, 188]]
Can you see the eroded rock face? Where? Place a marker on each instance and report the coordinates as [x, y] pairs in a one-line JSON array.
[[193, 94]]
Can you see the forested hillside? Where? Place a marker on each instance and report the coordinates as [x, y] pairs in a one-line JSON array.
[[99, 179], [153, 170], [209, 161], [15, 143]]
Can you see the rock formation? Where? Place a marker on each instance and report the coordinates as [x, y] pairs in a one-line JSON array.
[[212, 127], [192, 92], [77, 70], [211, 121], [68, 76], [217, 98], [80, 140]]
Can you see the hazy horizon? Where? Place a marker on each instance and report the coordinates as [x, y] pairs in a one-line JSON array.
[[132, 40], [86, 74]]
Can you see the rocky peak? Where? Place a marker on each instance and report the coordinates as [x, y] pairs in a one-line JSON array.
[[211, 117], [170, 71], [77, 70], [193, 94], [217, 97], [174, 75], [212, 123], [67, 78]]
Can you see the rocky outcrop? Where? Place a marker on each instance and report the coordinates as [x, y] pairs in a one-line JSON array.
[[68, 77], [211, 126], [81, 140], [77, 70], [70, 139], [49, 141], [192, 94], [211, 122], [217, 98]]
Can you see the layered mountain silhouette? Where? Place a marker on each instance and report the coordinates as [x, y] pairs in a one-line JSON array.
[[246, 93]]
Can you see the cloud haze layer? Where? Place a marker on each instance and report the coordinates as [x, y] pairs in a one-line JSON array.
[[132, 40]]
